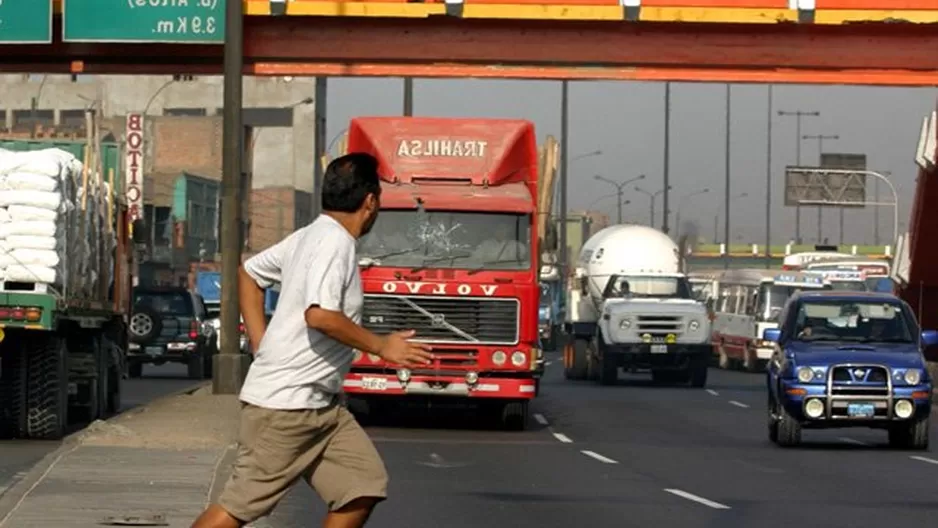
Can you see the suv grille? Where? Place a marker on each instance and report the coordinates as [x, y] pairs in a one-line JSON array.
[[859, 380], [483, 321]]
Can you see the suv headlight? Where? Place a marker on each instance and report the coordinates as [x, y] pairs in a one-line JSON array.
[[913, 376], [805, 374], [625, 324]]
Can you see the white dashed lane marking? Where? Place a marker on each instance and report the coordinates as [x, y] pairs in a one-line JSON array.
[[539, 418], [699, 500], [563, 438], [712, 392], [925, 459], [739, 404], [597, 456]]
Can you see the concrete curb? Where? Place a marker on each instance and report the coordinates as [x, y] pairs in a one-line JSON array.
[[15, 495]]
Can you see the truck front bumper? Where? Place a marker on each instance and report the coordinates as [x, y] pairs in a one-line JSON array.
[[657, 356], [420, 384]]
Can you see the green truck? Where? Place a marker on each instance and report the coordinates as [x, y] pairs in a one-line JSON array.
[[63, 336]]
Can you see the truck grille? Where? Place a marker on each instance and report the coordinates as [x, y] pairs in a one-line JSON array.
[[660, 325], [483, 321]]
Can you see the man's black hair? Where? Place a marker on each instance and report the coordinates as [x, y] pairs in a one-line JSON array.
[[348, 181]]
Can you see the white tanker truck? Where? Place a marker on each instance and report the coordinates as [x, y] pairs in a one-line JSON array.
[[631, 307]]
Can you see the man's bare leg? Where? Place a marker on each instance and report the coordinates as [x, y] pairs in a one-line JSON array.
[[216, 517], [352, 515]]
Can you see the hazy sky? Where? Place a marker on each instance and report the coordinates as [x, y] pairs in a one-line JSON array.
[[626, 121]]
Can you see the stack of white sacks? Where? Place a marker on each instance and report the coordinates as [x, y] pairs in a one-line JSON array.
[[45, 237]]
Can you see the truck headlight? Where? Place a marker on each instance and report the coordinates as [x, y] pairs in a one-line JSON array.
[[913, 376], [625, 324], [499, 357], [693, 325], [805, 374], [518, 359]]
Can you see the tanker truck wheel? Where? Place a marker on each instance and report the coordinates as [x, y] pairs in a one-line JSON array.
[[574, 359]]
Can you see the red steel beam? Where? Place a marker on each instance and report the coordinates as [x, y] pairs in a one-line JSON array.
[[711, 52]]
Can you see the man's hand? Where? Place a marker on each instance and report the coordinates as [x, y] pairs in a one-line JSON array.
[[396, 348]]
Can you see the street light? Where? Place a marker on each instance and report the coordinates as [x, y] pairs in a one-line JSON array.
[[652, 196], [619, 186], [820, 153], [798, 114], [681, 205]]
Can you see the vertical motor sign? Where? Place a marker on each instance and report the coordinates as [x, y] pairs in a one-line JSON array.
[[133, 165]]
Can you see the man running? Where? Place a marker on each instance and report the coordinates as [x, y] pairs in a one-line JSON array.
[[292, 423]]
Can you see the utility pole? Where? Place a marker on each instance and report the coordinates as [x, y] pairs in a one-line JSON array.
[[564, 169], [319, 141], [768, 183], [653, 196], [667, 151], [727, 161], [619, 187], [820, 153], [798, 114], [408, 96], [230, 365]]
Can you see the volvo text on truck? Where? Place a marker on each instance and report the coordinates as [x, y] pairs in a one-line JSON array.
[[453, 256]]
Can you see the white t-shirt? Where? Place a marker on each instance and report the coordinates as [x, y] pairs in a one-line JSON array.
[[296, 367]]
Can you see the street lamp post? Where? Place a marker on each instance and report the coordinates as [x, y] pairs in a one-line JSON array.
[[619, 186], [681, 206], [798, 114], [652, 196], [820, 153]]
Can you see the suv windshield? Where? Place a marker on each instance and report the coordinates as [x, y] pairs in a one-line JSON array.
[[447, 239], [649, 286], [858, 321], [165, 303]]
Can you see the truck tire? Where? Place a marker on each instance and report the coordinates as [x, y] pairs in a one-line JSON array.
[[12, 392], [515, 415], [608, 370], [912, 436], [47, 388], [574, 359], [770, 419]]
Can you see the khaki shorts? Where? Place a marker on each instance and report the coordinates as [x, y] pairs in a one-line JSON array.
[[325, 447]]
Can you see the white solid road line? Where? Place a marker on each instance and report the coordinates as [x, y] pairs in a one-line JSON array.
[[597, 456], [699, 500], [563, 438], [925, 459], [547, 363], [852, 441], [712, 392], [738, 404], [539, 418]]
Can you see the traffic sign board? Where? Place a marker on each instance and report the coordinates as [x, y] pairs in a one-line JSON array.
[[171, 21], [25, 21]]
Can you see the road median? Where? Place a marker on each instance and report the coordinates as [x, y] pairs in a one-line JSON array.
[[158, 462]]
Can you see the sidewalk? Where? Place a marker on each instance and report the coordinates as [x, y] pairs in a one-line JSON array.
[[160, 463]]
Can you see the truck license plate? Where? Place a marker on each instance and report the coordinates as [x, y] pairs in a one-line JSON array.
[[154, 351], [860, 410], [378, 384], [659, 349]]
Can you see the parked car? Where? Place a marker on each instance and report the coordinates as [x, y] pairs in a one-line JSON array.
[[170, 325]]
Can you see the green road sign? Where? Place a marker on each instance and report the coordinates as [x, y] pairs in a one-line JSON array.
[[170, 21], [25, 21]]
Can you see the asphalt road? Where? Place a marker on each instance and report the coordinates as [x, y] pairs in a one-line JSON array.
[[644, 456], [18, 456]]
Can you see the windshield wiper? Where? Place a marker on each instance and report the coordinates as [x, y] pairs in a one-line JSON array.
[[481, 267], [377, 258], [423, 265]]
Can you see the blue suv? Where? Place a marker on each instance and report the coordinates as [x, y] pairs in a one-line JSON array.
[[849, 359]]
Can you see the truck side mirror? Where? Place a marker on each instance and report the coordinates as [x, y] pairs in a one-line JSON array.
[[140, 231]]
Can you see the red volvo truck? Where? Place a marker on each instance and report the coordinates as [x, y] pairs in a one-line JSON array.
[[454, 256]]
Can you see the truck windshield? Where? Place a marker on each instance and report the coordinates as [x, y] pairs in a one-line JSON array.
[[448, 239], [858, 321], [653, 286]]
